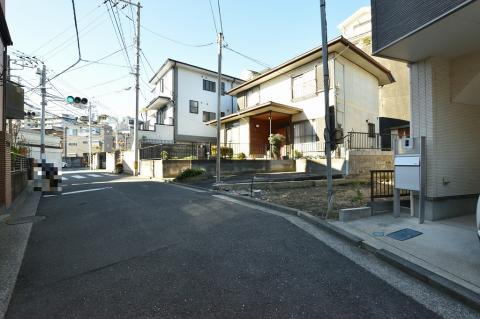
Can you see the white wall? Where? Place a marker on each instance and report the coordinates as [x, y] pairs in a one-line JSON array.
[[190, 87], [453, 152]]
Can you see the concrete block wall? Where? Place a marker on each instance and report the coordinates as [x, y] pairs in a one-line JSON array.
[[360, 162]]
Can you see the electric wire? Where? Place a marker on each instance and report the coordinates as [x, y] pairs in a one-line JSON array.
[[213, 17], [265, 65], [220, 16]]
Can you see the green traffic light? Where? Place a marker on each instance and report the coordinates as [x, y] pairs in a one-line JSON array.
[[70, 99]]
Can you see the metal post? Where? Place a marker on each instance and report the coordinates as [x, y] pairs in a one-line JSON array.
[[65, 143], [326, 91], [90, 135], [43, 79], [137, 93], [219, 86], [270, 132]]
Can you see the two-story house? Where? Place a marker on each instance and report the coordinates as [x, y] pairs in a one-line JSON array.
[[439, 40], [186, 98], [289, 100]]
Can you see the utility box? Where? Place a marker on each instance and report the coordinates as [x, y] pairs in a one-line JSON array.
[[407, 172]]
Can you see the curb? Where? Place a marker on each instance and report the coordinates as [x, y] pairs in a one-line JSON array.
[[443, 284], [14, 251]]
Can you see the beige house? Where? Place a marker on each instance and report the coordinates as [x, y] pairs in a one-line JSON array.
[[394, 99], [289, 100]]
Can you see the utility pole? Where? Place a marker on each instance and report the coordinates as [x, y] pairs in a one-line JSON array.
[[137, 93], [326, 85], [219, 97], [43, 80], [90, 135]]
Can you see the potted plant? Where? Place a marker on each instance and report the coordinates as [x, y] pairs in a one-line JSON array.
[[276, 141]]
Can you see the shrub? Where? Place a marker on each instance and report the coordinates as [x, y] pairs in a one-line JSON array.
[[189, 172], [119, 168], [276, 141], [297, 154], [241, 156], [164, 155], [225, 152]]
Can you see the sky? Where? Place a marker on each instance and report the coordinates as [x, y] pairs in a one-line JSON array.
[[270, 31]]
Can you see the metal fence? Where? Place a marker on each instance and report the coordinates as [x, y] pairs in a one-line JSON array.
[[382, 184], [19, 163], [363, 141]]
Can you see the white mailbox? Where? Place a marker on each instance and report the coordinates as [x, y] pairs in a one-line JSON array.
[[407, 172]]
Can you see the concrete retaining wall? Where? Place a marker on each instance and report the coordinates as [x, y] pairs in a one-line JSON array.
[[171, 168], [360, 162]]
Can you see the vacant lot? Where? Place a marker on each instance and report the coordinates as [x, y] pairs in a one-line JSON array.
[[347, 194]]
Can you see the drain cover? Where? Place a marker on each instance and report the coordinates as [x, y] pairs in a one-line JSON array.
[[24, 220], [404, 234]]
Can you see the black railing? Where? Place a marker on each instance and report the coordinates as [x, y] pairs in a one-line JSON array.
[[364, 141], [382, 184]]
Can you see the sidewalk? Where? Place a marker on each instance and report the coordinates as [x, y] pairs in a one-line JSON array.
[[15, 229], [448, 248]]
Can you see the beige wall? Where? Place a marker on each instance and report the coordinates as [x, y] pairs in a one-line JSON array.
[[453, 151]]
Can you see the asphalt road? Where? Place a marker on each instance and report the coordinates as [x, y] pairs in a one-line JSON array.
[[128, 248]]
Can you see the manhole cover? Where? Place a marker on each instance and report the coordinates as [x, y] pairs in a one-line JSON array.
[[23, 220], [404, 234]]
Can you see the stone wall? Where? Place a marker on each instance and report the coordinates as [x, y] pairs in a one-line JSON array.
[[361, 162]]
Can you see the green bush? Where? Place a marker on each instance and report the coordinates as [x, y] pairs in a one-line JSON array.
[[241, 156], [164, 155], [190, 172], [297, 154], [119, 168], [225, 152]]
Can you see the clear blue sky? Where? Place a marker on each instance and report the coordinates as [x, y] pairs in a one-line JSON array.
[[271, 31]]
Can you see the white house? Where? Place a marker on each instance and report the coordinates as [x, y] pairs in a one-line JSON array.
[[289, 100], [439, 38], [53, 146], [186, 98]]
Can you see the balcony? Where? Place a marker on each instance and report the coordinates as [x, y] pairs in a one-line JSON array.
[[159, 132]]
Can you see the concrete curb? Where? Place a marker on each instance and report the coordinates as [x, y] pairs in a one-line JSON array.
[[453, 289], [14, 240]]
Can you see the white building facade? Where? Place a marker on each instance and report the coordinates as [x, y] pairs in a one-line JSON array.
[[186, 98]]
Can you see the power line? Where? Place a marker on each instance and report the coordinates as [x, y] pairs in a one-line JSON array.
[[106, 82], [176, 41], [78, 44], [149, 65], [213, 17], [98, 60], [64, 31], [118, 32], [265, 65]]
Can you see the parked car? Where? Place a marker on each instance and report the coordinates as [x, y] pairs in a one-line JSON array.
[[65, 165]]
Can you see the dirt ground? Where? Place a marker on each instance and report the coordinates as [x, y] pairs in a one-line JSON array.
[[314, 199]]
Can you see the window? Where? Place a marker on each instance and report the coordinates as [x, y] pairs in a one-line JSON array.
[[371, 130], [161, 85], [304, 85], [193, 106], [85, 142], [304, 132], [209, 85], [222, 114], [72, 144], [209, 116], [223, 88]]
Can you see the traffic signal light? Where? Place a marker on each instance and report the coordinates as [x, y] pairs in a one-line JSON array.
[[77, 100]]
